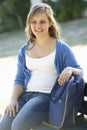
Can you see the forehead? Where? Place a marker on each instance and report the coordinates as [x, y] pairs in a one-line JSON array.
[[40, 16]]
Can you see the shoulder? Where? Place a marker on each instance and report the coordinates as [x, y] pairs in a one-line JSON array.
[[22, 49], [21, 52], [62, 47], [62, 44]]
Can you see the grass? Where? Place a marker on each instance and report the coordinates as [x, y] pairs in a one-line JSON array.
[[10, 42], [75, 33]]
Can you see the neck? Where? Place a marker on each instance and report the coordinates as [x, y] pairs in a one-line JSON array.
[[44, 40]]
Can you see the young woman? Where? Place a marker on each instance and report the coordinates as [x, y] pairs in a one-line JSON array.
[[40, 61]]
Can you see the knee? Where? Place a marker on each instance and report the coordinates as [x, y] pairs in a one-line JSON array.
[[17, 126], [2, 126]]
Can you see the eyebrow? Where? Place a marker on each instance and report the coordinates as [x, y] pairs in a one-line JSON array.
[[40, 19]]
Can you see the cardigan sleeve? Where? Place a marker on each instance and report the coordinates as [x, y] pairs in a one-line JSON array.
[[19, 78], [65, 57]]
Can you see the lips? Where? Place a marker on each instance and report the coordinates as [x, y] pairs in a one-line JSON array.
[[38, 30]]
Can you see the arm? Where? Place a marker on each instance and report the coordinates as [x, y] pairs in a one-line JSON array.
[[66, 73], [12, 107], [69, 64], [17, 91]]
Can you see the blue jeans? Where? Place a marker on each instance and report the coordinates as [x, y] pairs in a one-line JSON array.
[[33, 109]]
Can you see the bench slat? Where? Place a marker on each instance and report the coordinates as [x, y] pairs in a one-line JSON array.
[[85, 90], [84, 108]]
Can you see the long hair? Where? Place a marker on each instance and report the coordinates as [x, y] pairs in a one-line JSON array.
[[54, 29]]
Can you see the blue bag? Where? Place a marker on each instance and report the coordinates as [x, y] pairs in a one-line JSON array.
[[66, 102]]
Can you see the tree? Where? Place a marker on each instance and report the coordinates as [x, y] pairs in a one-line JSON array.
[[13, 14]]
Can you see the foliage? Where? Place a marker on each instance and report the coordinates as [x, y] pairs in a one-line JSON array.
[[7, 21], [68, 9], [13, 14]]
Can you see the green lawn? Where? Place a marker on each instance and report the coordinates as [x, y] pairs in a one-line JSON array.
[[75, 33]]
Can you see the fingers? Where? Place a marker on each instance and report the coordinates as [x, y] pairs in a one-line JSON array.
[[62, 79], [6, 112], [11, 110], [10, 113], [16, 108], [64, 76]]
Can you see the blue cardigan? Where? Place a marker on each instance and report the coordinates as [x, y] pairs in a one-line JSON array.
[[64, 57]]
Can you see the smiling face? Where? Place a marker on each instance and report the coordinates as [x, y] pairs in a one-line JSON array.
[[41, 22], [40, 25]]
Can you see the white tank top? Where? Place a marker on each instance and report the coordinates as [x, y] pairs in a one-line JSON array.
[[43, 73]]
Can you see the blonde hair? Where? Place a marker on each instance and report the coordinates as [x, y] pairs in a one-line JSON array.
[[54, 29]]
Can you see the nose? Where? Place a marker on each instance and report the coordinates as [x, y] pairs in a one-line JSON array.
[[38, 25]]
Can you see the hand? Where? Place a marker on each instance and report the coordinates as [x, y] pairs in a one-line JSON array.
[[12, 108], [65, 75]]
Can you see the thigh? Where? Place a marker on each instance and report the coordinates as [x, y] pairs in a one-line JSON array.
[[32, 113], [6, 121]]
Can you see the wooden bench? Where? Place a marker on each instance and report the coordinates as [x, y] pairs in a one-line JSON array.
[[82, 121]]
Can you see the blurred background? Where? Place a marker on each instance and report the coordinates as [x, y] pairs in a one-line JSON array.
[[13, 12], [71, 15]]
